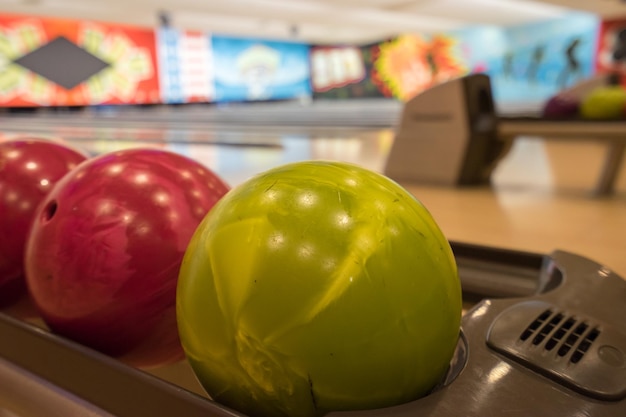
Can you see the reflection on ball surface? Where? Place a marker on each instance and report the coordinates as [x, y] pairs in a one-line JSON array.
[[318, 286], [29, 168], [103, 256]]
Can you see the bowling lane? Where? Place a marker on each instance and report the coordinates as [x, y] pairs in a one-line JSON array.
[[225, 139], [539, 200]]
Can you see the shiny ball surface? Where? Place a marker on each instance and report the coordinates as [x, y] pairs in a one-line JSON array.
[[604, 103], [318, 286], [29, 168], [103, 255]]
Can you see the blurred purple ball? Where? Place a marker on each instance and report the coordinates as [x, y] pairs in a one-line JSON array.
[[561, 107]]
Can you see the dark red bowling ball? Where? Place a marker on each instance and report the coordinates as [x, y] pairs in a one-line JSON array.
[[29, 167], [103, 256], [561, 107]]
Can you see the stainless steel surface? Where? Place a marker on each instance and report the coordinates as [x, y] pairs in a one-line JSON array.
[[47, 371], [24, 394]]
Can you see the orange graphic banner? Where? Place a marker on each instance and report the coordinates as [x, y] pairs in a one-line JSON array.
[[61, 62]]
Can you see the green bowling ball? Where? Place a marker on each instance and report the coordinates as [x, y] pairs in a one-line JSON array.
[[604, 103], [318, 286]]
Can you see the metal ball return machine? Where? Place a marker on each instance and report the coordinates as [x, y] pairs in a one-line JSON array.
[[545, 336], [451, 135]]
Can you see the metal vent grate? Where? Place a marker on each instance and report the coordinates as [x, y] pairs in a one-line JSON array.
[[554, 330], [574, 349]]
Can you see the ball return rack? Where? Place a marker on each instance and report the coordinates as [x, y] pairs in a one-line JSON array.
[[543, 335], [452, 135]]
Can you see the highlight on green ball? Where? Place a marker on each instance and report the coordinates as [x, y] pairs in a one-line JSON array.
[[315, 287]]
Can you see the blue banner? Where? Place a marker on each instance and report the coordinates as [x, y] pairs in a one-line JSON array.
[[251, 70], [185, 66], [532, 62]]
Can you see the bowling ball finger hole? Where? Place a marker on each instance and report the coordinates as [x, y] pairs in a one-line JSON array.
[[49, 211]]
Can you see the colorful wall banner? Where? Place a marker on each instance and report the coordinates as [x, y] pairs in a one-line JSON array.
[[62, 62], [410, 64], [334, 67], [251, 70], [400, 67], [612, 48], [59, 62], [526, 63], [343, 72], [534, 61], [185, 66]]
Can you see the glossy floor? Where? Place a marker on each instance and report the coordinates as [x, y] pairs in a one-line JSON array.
[[540, 199]]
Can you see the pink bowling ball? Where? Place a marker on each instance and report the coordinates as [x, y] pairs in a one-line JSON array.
[[104, 252], [29, 168]]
